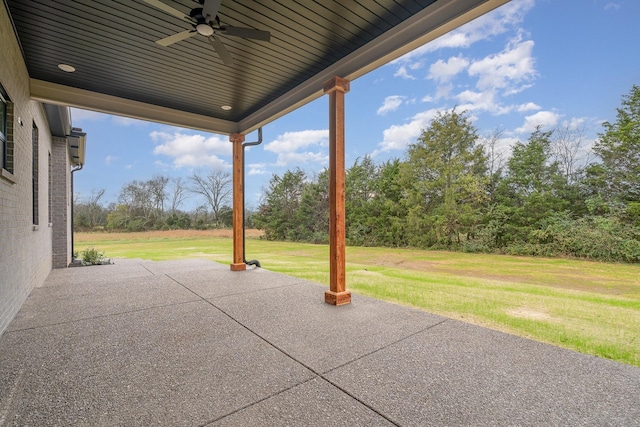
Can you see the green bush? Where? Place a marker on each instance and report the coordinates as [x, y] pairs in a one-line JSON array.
[[92, 256]]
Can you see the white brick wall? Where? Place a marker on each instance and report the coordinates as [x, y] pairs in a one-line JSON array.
[[25, 253]]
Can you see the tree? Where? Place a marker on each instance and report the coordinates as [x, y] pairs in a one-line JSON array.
[[532, 188], [617, 177], [360, 185], [495, 159], [387, 210], [135, 210], [215, 187], [278, 212], [569, 151], [90, 213], [445, 177], [177, 193], [312, 216]]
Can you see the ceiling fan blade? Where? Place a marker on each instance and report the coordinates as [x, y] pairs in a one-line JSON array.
[[210, 9], [247, 33], [176, 37], [166, 8], [223, 53]]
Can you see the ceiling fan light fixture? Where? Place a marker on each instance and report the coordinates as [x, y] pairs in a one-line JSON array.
[[204, 29], [67, 68]]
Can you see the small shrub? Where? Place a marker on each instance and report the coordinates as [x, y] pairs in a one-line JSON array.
[[92, 256]]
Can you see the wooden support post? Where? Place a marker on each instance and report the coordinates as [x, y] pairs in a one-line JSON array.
[[337, 293], [238, 209]]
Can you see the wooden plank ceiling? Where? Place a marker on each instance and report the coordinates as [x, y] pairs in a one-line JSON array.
[[120, 68]]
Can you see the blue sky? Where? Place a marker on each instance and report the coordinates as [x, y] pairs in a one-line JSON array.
[[548, 63]]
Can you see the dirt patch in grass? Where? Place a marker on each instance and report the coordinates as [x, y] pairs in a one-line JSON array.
[[512, 269], [166, 234], [527, 313]]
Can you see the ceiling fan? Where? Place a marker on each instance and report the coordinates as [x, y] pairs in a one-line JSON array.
[[205, 21]]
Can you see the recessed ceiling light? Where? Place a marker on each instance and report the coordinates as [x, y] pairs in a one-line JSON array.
[[67, 68], [226, 107]]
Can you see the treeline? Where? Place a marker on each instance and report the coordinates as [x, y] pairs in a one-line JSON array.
[[156, 204], [454, 190]]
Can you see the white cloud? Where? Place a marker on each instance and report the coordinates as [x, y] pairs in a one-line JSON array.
[[529, 106], [544, 119], [497, 75], [192, 150], [612, 6], [505, 145], [257, 169], [286, 159], [398, 137], [507, 69], [403, 73], [575, 123], [391, 103], [289, 146], [110, 159], [444, 91], [496, 22], [480, 101], [444, 71]]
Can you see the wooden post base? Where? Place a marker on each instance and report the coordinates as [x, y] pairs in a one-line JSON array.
[[337, 298], [240, 266]]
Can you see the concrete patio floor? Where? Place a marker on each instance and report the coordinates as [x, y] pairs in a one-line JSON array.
[[192, 343]]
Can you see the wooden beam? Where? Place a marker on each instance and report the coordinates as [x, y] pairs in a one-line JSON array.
[[238, 209], [337, 293]]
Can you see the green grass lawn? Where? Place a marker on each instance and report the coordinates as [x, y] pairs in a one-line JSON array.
[[589, 307]]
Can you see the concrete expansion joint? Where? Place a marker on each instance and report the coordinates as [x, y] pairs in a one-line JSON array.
[[313, 371], [143, 266], [354, 397], [260, 401], [384, 347]]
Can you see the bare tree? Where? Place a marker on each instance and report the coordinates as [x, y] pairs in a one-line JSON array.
[[136, 196], [177, 193], [94, 206], [158, 192], [495, 157], [215, 187], [90, 213], [568, 148]]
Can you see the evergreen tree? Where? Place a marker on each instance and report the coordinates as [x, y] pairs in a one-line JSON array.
[[444, 175], [312, 217], [617, 177], [278, 212], [360, 191], [531, 189]]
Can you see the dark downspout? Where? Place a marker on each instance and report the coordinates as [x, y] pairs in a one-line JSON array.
[[248, 144], [73, 203]]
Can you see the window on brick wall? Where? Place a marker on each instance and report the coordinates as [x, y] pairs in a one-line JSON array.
[[35, 173], [6, 131]]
